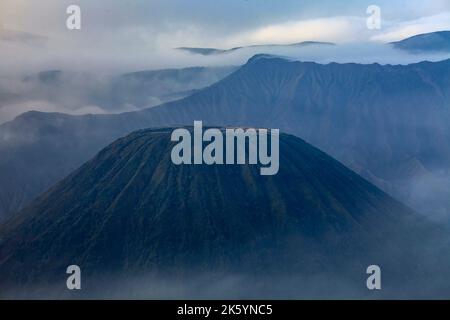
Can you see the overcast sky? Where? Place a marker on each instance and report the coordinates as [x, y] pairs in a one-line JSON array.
[[136, 34]]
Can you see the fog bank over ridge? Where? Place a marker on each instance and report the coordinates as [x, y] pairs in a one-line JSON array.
[[82, 92]]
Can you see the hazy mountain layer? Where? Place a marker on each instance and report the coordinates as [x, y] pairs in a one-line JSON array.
[[81, 93], [215, 51]]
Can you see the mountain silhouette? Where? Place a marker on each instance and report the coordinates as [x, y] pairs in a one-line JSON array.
[[131, 211]]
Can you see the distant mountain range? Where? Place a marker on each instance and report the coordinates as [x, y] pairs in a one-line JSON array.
[[386, 122], [84, 92], [130, 211], [428, 42], [215, 51]]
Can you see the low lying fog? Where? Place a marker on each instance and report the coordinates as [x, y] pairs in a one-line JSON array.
[[85, 85]]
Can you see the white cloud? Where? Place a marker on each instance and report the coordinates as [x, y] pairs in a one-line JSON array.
[[331, 29], [121, 36], [89, 110], [405, 29]]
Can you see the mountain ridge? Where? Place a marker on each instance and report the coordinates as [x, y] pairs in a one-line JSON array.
[[351, 111]]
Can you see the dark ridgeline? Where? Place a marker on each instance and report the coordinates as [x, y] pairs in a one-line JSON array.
[[427, 42], [261, 47], [388, 123], [130, 211]]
